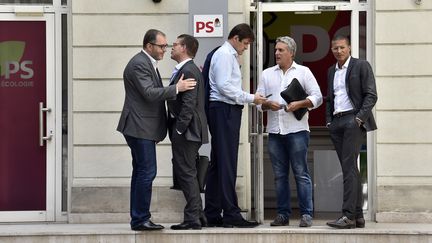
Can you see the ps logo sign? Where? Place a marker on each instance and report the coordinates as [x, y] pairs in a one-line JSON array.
[[208, 25]]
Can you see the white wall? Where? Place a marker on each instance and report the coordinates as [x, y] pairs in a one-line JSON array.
[[403, 49]]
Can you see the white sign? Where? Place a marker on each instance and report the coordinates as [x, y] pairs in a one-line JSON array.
[[208, 26]]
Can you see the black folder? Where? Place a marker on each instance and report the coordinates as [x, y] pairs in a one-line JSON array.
[[294, 92]]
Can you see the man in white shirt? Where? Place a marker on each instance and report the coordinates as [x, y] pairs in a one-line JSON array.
[[288, 137], [351, 95], [225, 109]]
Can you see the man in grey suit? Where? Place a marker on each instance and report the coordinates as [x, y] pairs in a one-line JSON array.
[[143, 122], [188, 130], [351, 96]]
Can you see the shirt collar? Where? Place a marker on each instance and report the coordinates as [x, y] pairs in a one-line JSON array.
[[180, 65], [294, 65], [231, 48], [153, 61], [345, 64]]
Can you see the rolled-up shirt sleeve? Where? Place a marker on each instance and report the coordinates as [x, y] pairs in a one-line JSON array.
[[313, 90]]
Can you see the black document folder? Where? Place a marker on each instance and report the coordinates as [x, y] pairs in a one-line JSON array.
[[295, 92]]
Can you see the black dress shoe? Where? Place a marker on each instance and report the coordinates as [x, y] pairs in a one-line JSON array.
[[148, 225], [240, 223], [215, 223], [360, 223], [343, 223], [186, 226]]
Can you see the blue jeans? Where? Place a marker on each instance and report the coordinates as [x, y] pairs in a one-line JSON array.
[[286, 150], [143, 173]]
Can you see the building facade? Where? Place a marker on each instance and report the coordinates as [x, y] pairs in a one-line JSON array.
[[83, 165]]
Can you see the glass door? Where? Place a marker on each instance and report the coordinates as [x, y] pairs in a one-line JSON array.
[[312, 25], [27, 112]]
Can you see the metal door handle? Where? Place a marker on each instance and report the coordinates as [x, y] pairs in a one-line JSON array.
[[41, 124]]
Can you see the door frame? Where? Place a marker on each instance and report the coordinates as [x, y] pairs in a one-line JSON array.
[[51, 15], [355, 7]]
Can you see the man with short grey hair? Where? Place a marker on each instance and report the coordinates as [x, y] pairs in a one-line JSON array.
[[288, 135]]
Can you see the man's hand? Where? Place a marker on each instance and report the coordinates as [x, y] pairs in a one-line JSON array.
[[259, 99], [185, 84], [293, 106], [271, 105]]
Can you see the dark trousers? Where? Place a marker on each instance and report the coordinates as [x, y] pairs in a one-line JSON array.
[[220, 196], [143, 173], [184, 163], [347, 138]]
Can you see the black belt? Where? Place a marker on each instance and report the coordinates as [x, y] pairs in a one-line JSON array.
[[343, 113], [224, 103]]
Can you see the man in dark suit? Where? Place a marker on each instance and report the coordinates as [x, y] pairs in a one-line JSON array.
[[351, 96], [143, 122], [187, 129]]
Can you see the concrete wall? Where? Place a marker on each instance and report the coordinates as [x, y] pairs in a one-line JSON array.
[[403, 49], [105, 35]]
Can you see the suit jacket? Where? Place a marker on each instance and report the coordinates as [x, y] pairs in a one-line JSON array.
[[361, 90], [188, 108], [144, 114]]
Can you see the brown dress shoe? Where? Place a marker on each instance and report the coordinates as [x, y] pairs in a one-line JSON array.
[[342, 223]]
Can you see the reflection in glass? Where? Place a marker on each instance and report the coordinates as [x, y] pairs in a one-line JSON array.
[[64, 113], [362, 35]]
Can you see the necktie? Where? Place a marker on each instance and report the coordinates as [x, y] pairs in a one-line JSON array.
[[174, 73]]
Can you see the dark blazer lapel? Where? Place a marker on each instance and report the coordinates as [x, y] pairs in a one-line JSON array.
[[331, 83], [348, 73], [331, 78], [178, 74]]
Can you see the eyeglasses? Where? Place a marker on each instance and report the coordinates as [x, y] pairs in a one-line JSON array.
[[176, 44], [163, 47]]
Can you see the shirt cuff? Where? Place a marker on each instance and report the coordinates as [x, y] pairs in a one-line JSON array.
[[313, 100], [250, 98]]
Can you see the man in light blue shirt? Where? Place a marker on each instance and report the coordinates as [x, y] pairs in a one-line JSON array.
[[225, 109]]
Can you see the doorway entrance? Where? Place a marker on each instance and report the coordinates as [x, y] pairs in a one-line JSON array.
[[312, 25], [31, 162]]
